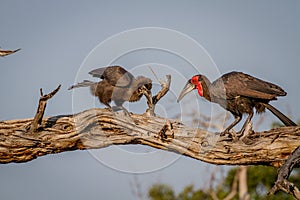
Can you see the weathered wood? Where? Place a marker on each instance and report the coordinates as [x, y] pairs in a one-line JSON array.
[[7, 52], [99, 128], [165, 86], [152, 101], [37, 120], [282, 182]]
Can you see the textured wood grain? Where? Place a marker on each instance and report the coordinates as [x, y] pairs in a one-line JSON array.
[[7, 52], [99, 128], [282, 182], [37, 120]]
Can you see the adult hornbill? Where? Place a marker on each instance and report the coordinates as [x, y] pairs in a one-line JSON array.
[[238, 93], [118, 85]]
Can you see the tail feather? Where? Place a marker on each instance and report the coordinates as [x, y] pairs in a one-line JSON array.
[[287, 121], [85, 83]]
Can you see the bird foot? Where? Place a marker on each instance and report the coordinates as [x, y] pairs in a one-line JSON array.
[[117, 108], [125, 115], [229, 135], [150, 112], [246, 130], [224, 133], [224, 137]]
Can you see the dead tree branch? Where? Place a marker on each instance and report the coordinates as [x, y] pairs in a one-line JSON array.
[[23, 140], [282, 182], [234, 187], [164, 90], [37, 120], [99, 128], [165, 86], [7, 52]]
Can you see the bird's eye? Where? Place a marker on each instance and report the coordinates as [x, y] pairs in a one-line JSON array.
[[194, 80], [148, 86]]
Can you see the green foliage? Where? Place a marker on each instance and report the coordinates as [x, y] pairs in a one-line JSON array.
[[260, 181], [277, 125], [189, 193], [165, 192], [161, 192]]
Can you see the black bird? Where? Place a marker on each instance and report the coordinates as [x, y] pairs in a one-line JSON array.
[[118, 85], [238, 93]]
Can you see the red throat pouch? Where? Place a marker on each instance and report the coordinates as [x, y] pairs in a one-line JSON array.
[[200, 90]]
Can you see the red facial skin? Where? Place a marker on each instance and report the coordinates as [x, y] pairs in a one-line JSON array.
[[195, 81]]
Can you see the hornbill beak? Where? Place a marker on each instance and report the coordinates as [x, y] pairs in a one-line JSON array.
[[187, 89], [147, 94]]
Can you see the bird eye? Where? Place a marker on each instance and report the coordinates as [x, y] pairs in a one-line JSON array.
[[194, 80], [148, 86]]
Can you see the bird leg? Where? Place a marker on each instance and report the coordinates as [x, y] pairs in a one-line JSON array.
[[237, 120], [120, 107], [247, 122]]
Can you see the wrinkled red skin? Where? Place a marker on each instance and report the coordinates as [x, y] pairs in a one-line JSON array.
[[198, 85]]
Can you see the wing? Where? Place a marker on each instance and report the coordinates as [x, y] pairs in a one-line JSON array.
[[115, 75], [239, 84]]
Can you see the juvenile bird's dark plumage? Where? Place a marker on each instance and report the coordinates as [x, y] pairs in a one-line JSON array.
[[238, 93], [118, 85]]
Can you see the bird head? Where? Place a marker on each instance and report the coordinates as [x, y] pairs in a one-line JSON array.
[[143, 81], [140, 86], [192, 84]]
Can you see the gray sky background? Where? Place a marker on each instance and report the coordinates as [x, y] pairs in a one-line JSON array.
[[257, 37]]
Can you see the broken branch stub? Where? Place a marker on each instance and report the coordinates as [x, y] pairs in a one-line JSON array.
[[165, 86], [285, 170], [37, 120]]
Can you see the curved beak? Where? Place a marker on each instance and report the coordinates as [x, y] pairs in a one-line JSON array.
[[147, 94], [187, 89]]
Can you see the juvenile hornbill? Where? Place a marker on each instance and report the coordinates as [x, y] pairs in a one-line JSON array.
[[238, 93], [118, 85]]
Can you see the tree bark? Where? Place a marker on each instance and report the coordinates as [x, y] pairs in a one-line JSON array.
[[99, 128], [7, 52], [282, 182]]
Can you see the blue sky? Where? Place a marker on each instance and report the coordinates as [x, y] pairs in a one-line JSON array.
[[57, 38]]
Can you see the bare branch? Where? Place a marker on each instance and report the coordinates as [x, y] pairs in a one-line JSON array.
[[211, 191], [165, 86], [41, 109], [282, 182], [234, 187], [243, 187], [137, 188], [164, 90], [7, 52], [98, 128]]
